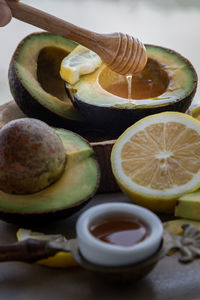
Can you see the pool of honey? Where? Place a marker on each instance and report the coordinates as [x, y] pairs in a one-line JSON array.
[[119, 230], [151, 82]]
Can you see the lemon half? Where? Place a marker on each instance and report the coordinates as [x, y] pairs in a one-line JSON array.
[[157, 160]]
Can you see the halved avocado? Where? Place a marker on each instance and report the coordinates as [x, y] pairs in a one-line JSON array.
[[35, 82], [168, 82], [70, 192]]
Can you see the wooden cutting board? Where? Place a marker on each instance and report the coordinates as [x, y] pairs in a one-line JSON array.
[[10, 111]]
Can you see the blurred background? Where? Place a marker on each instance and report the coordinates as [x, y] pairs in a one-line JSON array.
[[170, 23]]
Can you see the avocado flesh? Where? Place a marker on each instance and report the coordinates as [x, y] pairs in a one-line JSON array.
[[91, 94], [34, 77], [78, 183], [188, 206]]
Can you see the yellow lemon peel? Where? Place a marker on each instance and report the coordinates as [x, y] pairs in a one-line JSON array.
[[59, 260]]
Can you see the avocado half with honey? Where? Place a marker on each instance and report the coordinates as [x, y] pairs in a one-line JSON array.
[[168, 82], [77, 184], [35, 82]]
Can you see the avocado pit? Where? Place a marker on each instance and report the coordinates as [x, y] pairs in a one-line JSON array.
[[32, 156]]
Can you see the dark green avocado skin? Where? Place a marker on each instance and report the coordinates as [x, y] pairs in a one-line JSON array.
[[34, 219], [119, 120]]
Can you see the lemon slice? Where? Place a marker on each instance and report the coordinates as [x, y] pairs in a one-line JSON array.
[[158, 159], [59, 260], [79, 62], [175, 226]]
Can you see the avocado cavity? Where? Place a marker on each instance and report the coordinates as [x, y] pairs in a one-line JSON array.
[[48, 65], [151, 82]]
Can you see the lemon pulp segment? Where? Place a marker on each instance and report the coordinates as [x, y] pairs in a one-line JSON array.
[[160, 156]]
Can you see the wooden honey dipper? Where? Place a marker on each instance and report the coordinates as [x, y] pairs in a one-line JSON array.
[[122, 53]]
